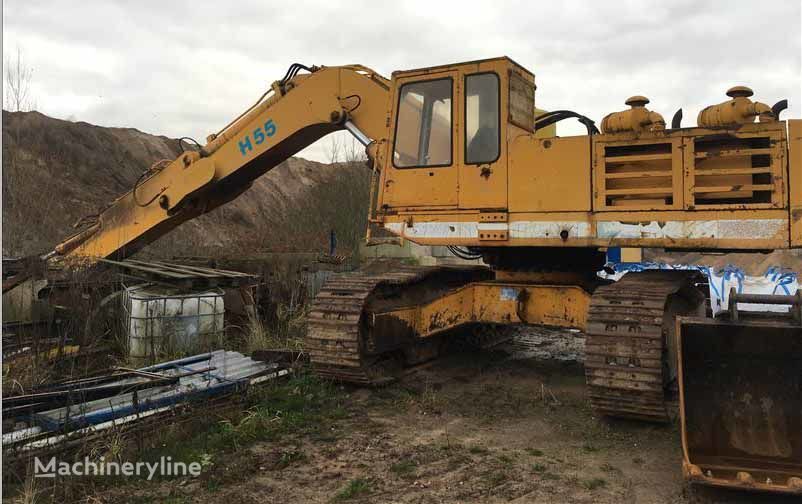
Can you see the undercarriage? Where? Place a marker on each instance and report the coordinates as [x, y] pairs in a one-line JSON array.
[[366, 327]]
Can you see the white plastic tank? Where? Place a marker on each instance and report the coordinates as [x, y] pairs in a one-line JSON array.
[[164, 322]]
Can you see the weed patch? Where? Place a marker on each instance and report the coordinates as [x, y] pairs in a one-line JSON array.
[[593, 484], [505, 460], [478, 450], [300, 405], [609, 468], [495, 478], [290, 457], [355, 488], [403, 469], [539, 468]]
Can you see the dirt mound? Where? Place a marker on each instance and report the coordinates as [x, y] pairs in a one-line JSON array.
[[55, 172]]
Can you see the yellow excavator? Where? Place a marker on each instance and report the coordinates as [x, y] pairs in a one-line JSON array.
[[459, 158]]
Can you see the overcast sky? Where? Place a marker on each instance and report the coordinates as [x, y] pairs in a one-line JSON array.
[[186, 68]]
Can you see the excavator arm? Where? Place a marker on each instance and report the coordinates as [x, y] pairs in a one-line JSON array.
[[301, 109]]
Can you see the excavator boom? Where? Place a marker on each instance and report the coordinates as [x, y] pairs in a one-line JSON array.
[[301, 109]]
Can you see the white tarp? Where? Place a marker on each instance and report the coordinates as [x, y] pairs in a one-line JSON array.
[[774, 281]]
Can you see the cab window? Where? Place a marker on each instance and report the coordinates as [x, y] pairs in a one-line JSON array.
[[482, 135], [423, 124]]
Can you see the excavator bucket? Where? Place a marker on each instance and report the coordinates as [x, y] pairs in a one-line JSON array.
[[740, 381]]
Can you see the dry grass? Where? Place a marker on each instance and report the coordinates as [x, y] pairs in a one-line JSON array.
[[287, 334], [30, 492]]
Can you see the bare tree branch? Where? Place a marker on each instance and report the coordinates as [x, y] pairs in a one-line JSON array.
[[18, 76], [342, 150]]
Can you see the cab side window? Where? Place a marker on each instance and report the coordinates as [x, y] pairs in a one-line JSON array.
[[482, 134], [423, 125]]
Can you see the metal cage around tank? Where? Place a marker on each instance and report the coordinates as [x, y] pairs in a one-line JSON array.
[[161, 321]]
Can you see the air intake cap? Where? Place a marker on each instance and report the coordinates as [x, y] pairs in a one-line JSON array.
[[740, 91], [636, 101]]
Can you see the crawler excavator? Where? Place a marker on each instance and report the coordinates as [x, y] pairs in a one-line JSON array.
[[458, 158]]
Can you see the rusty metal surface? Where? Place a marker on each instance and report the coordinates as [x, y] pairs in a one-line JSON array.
[[795, 180], [793, 301], [492, 302], [741, 402], [628, 344], [349, 337], [336, 323]]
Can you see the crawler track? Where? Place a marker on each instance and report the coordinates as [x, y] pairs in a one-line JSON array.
[[629, 350], [339, 337]]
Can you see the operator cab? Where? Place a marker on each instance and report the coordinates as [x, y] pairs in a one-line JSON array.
[[449, 131]]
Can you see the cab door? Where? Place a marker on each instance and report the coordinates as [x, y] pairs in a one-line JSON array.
[[421, 171], [483, 171]]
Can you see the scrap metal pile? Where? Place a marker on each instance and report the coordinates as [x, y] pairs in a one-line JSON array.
[[56, 414]]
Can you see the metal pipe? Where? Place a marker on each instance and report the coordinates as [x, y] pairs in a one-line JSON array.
[[764, 299], [361, 137], [180, 362], [794, 301]]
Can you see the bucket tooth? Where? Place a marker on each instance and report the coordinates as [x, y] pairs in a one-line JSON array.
[[745, 478]]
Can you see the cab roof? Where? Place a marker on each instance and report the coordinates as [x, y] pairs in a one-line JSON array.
[[425, 70]]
